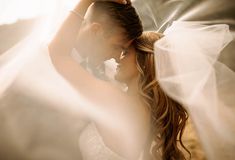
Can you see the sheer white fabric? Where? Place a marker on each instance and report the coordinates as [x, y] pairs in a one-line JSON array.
[[38, 120], [188, 71], [27, 67]]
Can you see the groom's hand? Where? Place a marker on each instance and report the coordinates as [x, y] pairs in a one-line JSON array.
[[89, 2], [117, 1]]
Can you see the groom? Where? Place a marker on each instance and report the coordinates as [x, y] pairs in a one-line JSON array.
[[96, 31]]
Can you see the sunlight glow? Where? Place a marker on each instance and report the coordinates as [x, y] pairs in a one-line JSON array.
[[12, 10]]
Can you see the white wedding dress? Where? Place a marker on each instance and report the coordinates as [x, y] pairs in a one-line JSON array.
[[92, 146]]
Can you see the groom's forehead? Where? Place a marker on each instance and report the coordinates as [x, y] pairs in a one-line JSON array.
[[121, 46], [121, 40], [120, 34]]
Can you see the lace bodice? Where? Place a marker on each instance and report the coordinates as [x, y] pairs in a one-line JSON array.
[[92, 146]]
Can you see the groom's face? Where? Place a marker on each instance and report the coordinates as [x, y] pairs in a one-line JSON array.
[[98, 43], [107, 46]]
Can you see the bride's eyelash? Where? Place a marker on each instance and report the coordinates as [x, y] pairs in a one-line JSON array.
[[125, 52]]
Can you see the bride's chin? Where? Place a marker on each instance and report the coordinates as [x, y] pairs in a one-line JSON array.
[[118, 76]]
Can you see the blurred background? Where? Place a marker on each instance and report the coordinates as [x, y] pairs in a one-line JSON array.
[[17, 19]]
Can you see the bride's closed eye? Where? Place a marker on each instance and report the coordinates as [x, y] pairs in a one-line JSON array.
[[123, 53]]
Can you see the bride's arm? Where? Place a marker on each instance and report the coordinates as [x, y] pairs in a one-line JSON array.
[[63, 42], [118, 118], [107, 106]]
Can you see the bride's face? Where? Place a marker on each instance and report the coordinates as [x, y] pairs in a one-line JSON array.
[[126, 69]]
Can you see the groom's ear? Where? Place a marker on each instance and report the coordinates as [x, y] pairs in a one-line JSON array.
[[97, 29]]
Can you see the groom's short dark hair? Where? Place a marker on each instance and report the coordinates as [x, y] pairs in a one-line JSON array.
[[123, 16]]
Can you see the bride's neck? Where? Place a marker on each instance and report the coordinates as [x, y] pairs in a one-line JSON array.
[[133, 89]]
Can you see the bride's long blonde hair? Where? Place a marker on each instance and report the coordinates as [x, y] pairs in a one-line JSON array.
[[168, 117]]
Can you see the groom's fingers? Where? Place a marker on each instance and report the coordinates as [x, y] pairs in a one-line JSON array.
[[120, 1], [117, 1]]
